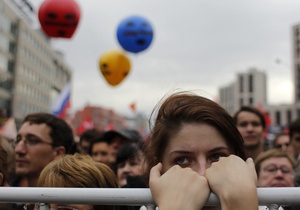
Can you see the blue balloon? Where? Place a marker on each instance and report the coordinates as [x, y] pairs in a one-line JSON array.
[[135, 34]]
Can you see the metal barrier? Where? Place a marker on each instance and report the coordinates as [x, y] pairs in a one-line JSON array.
[[271, 197]]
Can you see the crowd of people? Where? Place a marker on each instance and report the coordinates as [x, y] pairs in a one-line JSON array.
[[194, 148]]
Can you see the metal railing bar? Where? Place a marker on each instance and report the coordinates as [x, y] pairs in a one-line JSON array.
[[122, 196]]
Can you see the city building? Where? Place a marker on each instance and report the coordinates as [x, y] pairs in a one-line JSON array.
[[296, 61], [249, 88], [283, 114], [239, 92], [32, 73]]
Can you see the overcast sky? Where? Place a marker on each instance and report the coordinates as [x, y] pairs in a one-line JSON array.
[[198, 45]]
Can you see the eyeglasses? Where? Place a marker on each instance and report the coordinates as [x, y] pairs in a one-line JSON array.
[[30, 140], [279, 146], [272, 169]]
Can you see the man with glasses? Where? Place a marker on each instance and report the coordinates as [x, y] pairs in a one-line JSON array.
[[41, 138]]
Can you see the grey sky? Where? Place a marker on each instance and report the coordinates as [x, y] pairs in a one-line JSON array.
[[198, 45]]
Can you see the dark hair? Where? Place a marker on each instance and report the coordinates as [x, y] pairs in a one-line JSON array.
[[185, 107], [95, 141], [128, 134], [278, 135], [129, 151], [3, 164], [60, 133], [90, 135], [252, 110], [294, 127]]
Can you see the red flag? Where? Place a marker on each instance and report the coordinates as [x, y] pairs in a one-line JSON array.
[[268, 120], [86, 124], [110, 127], [133, 106]]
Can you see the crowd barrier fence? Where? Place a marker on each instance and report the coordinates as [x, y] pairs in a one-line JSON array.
[[271, 197]]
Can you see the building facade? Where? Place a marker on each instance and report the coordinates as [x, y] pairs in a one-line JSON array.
[[32, 73], [296, 61], [246, 93], [249, 88], [283, 114]]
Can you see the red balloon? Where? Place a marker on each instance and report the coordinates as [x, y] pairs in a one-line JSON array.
[[59, 18]]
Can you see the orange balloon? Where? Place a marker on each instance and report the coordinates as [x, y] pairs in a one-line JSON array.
[[114, 66]]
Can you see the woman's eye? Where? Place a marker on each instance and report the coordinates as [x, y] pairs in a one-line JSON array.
[[182, 161], [216, 157]]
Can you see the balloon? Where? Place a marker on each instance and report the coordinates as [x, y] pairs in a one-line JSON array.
[[135, 34], [59, 18], [114, 66]]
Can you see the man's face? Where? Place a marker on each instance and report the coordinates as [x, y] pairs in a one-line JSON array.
[[276, 172], [251, 129], [116, 144], [84, 147], [33, 156], [100, 152], [296, 143], [283, 142]]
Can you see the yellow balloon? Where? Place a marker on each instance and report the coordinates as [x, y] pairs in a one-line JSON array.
[[114, 66]]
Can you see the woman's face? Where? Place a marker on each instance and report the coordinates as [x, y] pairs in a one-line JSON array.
[[196, 145]]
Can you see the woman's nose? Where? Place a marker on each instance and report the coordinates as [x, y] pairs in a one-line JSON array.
[[201, 166]]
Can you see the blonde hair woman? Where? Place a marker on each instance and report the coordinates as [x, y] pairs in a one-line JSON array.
[[78, 171]]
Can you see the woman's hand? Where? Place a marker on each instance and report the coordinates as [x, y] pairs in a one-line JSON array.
[[178, 188], [234, 181]]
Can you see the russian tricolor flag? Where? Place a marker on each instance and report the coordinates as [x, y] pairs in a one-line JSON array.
[[62, 103]]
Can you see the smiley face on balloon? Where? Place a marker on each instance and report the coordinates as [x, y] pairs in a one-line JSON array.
[[114, 66], [135, 34], [59, 18]]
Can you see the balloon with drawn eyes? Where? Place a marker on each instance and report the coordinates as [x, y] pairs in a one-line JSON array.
[[59, 18], [114, 66], [135, 34]]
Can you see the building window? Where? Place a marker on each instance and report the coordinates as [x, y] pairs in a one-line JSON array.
[[278, 118], [13, 29], [250, 101], [241, 81], [298, 113], [241, 102], [10, 66], [12, 47], [250, 83], [289, 116]]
